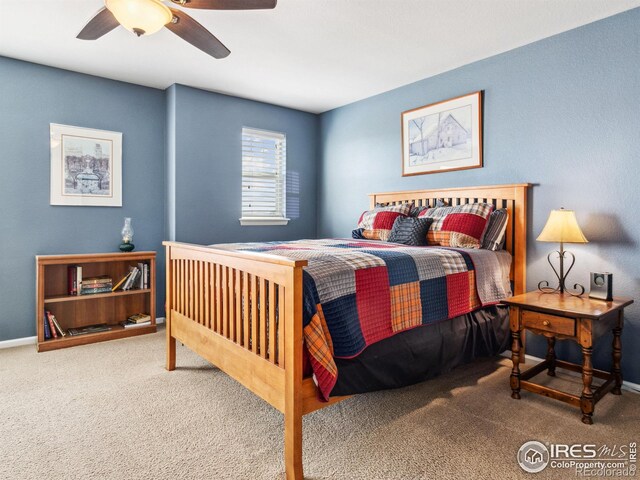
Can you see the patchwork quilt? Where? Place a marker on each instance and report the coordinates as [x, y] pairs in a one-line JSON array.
[[358, 292]]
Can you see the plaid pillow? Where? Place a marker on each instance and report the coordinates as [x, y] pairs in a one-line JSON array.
[[377, 223], [461, 226], [415, 211], [410, 231], [496, 228]]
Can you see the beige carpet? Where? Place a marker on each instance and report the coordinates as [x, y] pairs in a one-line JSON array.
[[111, 411]]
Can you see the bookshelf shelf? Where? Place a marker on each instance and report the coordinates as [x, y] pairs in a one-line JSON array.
[[93, 296], [116, 331], [76, 311]]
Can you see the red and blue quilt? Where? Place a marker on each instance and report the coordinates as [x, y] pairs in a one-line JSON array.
[[357, 293]]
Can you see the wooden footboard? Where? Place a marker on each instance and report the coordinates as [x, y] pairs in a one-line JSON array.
[[242, 311]]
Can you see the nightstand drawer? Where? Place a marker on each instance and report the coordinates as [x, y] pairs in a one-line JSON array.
[[549, 323]]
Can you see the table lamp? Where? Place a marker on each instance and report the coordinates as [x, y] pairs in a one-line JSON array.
[[562, 227]]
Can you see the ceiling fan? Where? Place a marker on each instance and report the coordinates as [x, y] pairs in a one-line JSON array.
[[144, 17]]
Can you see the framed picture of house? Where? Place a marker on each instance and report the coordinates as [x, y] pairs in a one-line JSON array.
[[443, 136], [86, 166]]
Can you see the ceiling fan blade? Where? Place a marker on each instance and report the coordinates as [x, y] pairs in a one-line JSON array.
[[198, 36], [101, 24], [227, 4]]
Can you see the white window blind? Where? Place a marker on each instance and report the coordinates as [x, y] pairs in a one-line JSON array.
[[264, 167]]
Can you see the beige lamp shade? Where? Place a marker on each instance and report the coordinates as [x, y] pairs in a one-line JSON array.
[[562, 226]]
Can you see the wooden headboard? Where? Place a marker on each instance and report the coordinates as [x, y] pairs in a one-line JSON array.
[[511, 197]]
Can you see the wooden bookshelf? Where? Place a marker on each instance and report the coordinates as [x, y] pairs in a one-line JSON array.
[[74, 311]]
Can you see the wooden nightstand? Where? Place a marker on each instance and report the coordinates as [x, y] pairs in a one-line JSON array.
[[562, 316]]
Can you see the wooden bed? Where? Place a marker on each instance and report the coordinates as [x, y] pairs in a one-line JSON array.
[[213, 306]]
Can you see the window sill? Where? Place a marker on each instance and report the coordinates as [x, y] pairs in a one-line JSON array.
[[257, 221]]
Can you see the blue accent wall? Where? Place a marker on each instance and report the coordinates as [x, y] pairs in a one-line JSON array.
[[561, 113], [204, 195], [31, 97]]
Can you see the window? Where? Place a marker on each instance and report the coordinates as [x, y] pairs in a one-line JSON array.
[[264, 170]]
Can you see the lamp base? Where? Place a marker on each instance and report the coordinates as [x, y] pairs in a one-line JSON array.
[[544, 286], [127, 247]]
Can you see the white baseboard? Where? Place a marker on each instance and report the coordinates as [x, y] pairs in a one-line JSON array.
[[19, 342], [629, 386]]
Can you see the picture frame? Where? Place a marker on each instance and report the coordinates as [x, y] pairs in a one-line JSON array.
[[443, 136], [86, 166]]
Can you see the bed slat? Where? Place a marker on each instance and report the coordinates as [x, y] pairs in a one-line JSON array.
[[190, 285], [272, 322], [281, 359], [173, 294], [231, 313], [212, 296], [218, 324], [254, 314], [238, 300], [263, 318], [245, 310], [225, 302]]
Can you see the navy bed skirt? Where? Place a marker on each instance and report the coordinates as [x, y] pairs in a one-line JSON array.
[[421, 353]]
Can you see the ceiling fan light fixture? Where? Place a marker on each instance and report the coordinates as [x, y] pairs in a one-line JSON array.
[[142, 17]]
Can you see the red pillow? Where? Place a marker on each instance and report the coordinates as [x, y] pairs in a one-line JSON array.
[[460, 226], [377, 223]]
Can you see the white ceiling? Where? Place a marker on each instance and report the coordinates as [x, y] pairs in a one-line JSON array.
[[313, 55]]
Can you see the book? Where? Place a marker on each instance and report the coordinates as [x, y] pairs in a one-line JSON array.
[[97, 281], [78, 277], [90, 291], [139, 318], [72, 279], [135, 280], [91, 281], [103, 327], [97, 285], [132, 278], [52, 327], [128, 324], [128, 282], [143, 282], [57, 325], [122, 281], [140, 282], [47, 329]]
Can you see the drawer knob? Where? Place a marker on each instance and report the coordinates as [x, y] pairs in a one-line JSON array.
[[546, 323]]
